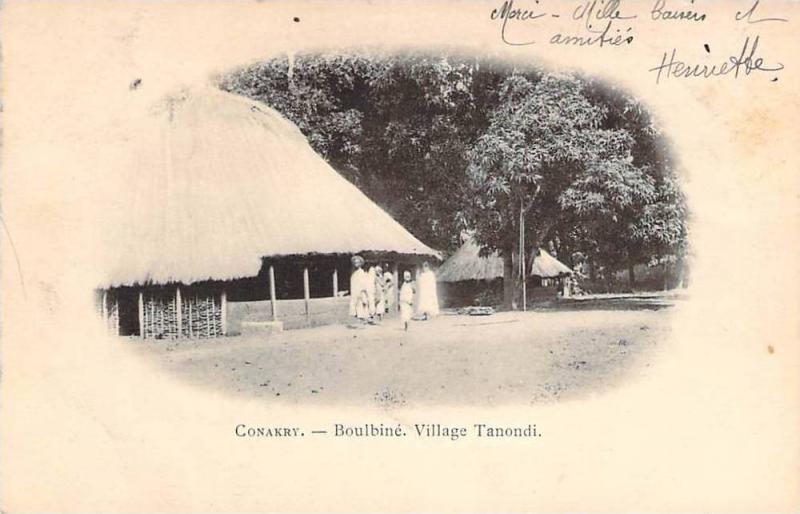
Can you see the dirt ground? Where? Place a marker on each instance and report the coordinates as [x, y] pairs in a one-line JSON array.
[[546, 355]]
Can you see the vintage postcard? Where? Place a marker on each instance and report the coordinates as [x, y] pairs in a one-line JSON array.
[[373, 256]]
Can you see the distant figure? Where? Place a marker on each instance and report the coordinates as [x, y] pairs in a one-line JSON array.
[[428, 301], [406, 299], [359, 283], [380, 293], [389, 287], [566, 287]]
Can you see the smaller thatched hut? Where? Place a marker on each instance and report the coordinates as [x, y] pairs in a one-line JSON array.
[[467, 264], [468, 277], [546, 268]]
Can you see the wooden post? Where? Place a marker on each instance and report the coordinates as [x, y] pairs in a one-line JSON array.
[[141, 315], [105, 308], [209, 314], [190, 309], [116, 317], [224, 312], [179, 311], [272, 296], [161, 316], [415, 302], [335, 282], [306, 290]]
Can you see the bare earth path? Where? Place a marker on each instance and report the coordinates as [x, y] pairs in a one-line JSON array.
[[509, 357]]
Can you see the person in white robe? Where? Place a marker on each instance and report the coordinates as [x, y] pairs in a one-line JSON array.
[[406, 299], [390, 288], [371, 291], [380, 293], [427, 299], [359, 282]]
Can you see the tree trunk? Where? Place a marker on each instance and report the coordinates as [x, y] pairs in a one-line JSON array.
[[508, 280], [631, 274], [681, 274]]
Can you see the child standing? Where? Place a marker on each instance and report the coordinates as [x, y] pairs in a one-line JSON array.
[[406, 299]]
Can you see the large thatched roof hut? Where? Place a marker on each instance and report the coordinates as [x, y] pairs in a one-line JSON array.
[[225, 195]]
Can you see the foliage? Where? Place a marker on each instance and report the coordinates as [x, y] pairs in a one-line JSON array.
[[399, 127], [447, 144]]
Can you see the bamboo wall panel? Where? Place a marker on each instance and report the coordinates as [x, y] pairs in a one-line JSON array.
[[200, 314], [160, 316]]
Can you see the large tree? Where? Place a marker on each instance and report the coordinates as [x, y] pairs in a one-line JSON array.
[[583, 167], [453, 143], [545, 137], [650, 213]]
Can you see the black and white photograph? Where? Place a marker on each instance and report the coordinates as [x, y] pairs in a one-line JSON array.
[[379, 256], [403, 228]]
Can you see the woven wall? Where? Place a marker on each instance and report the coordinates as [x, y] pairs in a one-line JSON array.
[[152, 312], [201, 315]]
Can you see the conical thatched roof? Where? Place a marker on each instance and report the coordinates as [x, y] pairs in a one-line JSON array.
[[467, 264], [222, 181], [546, 266]]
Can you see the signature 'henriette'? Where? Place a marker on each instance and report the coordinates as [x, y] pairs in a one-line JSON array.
[[747, 61]]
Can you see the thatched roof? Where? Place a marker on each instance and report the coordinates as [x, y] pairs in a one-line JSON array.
[[467, 264], [546, 266], [223, 181]]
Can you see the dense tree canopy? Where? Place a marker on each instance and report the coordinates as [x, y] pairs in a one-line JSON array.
[[448, 144], [397, 127]]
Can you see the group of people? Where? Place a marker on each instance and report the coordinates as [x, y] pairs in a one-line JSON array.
[[373, 293]]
